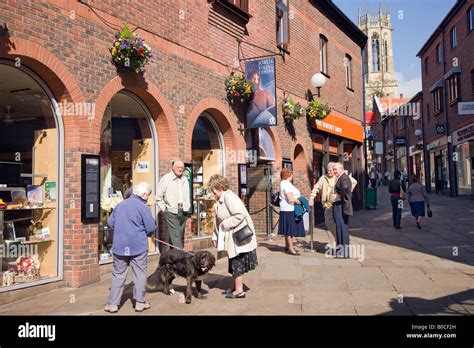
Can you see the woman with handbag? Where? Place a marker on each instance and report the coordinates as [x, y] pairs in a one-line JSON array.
[[417, 198], [235, 233], [397, 189]]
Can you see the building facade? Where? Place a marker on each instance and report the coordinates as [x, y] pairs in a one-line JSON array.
[[70, 118], [447, 62]]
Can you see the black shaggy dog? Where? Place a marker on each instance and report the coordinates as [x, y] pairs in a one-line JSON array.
[[194, 266]]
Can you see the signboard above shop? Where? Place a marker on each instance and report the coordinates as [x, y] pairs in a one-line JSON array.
[[400, 141], [466, 108], [342, 126], [464, 134]]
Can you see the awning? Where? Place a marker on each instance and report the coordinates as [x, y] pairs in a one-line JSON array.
[[342, 126]]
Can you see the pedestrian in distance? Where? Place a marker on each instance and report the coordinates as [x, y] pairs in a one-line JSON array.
[[417, 198], [397, 189]]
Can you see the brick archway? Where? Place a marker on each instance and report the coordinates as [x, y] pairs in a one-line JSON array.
[[300, 167], [277, 147], [157, 105], [233, 142]]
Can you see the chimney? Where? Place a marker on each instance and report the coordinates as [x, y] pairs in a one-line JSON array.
[[401, 95]]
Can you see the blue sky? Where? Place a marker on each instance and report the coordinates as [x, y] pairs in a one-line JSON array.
[[413, 22]]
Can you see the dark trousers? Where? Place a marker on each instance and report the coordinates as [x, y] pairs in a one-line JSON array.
[[373, 182], [176, 224], [396, 211], [342, 230]]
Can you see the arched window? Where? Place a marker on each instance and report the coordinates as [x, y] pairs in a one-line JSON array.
[[375, 53]]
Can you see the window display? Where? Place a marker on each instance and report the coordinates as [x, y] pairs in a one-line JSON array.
[[28, 161]]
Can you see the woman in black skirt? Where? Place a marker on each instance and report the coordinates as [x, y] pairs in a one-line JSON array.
[[287, 225], [232, 216]]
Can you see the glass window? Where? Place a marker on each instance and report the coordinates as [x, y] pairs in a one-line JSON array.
[[453, 88], [454, 40], [426, 66], [207, 160], [439, 53], [348, 70], [463, 167], [470, 18], [29, 154], [127, 152], [283, 24], [323, 54]]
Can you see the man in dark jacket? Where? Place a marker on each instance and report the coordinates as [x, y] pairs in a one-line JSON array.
[[342, 209]]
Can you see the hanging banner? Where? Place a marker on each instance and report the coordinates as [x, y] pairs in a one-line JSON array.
[[261, 111]]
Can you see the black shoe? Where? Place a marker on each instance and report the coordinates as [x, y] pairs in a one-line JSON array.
[[418, 225], [398, 228], [294, 253], [232, 295]]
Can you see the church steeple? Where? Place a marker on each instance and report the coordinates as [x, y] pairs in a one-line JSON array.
[[380, 72]]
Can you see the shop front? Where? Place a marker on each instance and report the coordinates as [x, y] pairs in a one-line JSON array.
[[402, 165], [439, 165], [417, 161], [338, 138], [463, 140], [31, 180]]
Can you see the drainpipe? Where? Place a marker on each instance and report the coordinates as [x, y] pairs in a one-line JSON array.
[[426, 155], [366, 178]]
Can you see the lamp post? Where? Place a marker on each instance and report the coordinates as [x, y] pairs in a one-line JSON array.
[[317, 81]]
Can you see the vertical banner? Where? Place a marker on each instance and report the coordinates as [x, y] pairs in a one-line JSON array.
[[261, 111]]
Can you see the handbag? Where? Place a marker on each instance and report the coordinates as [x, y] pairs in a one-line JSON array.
[[275, 200], [430, 213], [244, 234], [402, 193]]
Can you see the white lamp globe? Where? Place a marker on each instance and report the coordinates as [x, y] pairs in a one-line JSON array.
[[389, 142], [418, 132], [318, 80]]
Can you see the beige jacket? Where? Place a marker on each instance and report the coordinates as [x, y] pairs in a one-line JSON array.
[[325, 185], [167, 195], [232, 214]]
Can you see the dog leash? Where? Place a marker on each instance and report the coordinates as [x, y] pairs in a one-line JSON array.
[[170, 245]]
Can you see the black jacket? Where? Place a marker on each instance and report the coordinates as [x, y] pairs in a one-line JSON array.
[[394, 186], [343, 188]]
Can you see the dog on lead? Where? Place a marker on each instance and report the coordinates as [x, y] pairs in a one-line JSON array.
[[194, 266]]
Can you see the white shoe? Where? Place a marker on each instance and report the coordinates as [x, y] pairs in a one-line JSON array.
[[111, 308], [141, 306]]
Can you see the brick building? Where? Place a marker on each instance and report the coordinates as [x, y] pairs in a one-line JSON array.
[[447, 61], [62, 98]]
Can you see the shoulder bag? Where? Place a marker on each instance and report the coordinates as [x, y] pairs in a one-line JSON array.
[[244, 234]]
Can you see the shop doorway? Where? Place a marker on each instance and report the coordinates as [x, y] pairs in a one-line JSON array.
[[441, 175], [208, 159], [128, 152], [31, 179]]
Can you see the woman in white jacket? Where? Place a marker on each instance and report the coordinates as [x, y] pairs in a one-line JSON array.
[[232, 216]]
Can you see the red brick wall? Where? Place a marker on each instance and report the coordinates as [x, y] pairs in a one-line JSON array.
[[66, 43]]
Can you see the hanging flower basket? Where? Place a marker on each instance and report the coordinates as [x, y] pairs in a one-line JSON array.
[[316, 110], [291, 109], [237, 88], [129, 52]]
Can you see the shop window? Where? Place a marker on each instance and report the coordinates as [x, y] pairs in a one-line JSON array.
[[127, 152], [454, 39], [323, 54], [29, 179], [207, 160], [348, 70], [464, 168], [282, 25]]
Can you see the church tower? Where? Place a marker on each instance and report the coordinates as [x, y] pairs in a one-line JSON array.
[[380, 77]]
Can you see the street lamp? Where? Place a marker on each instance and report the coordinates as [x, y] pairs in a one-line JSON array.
[[317, 81], [418, 132], [389, 142]]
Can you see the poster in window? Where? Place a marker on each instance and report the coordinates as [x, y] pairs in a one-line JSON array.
[[188, 173], [287, 164], [243, 174], [90, 188], [261, 111]]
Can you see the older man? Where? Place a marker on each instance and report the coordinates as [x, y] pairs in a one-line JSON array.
[[173, 200], [132, 223], [342, 208]]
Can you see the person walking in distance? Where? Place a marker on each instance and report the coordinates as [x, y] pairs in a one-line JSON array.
[[173, 200], [417, 198], [397, 189], [342, 209]]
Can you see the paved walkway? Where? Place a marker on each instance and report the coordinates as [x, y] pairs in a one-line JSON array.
[[404, 272]]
